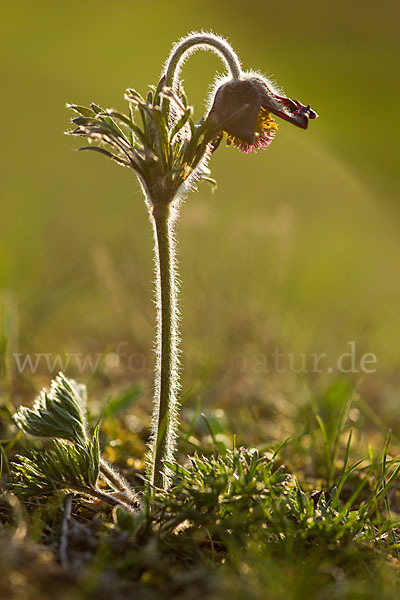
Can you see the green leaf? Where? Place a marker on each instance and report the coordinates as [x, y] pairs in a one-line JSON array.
[[82, 110], [129, 123], [102, 120], [209, 180], [159, 88], [106, 153], [127, 521], [97, 109], [170, 95], [181, 123], [66, 467], [133, 96]]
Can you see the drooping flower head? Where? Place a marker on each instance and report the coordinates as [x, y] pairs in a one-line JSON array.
[[245, 107], [159, 139]]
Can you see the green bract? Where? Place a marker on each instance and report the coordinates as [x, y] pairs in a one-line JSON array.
[[166, 148], [58, 413], [75, 462], [66, 467]]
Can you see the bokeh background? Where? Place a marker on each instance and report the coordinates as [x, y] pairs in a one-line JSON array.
[[297, 249]]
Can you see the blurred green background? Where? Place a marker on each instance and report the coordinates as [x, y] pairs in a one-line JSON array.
[[297, 249]]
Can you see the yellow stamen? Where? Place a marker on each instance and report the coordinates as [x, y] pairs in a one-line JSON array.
[[265, 124]]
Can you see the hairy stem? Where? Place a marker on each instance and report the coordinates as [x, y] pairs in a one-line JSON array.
[[113, 499], [117, 482], [200, 41], [166, 375]]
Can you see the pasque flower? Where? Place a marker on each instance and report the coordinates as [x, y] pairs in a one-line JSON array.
[[246, 105], [159, 140]]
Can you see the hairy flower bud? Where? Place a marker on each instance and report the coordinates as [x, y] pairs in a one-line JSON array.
[[243, 108]]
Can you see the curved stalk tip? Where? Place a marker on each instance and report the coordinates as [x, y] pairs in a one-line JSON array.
[[200, 41]]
